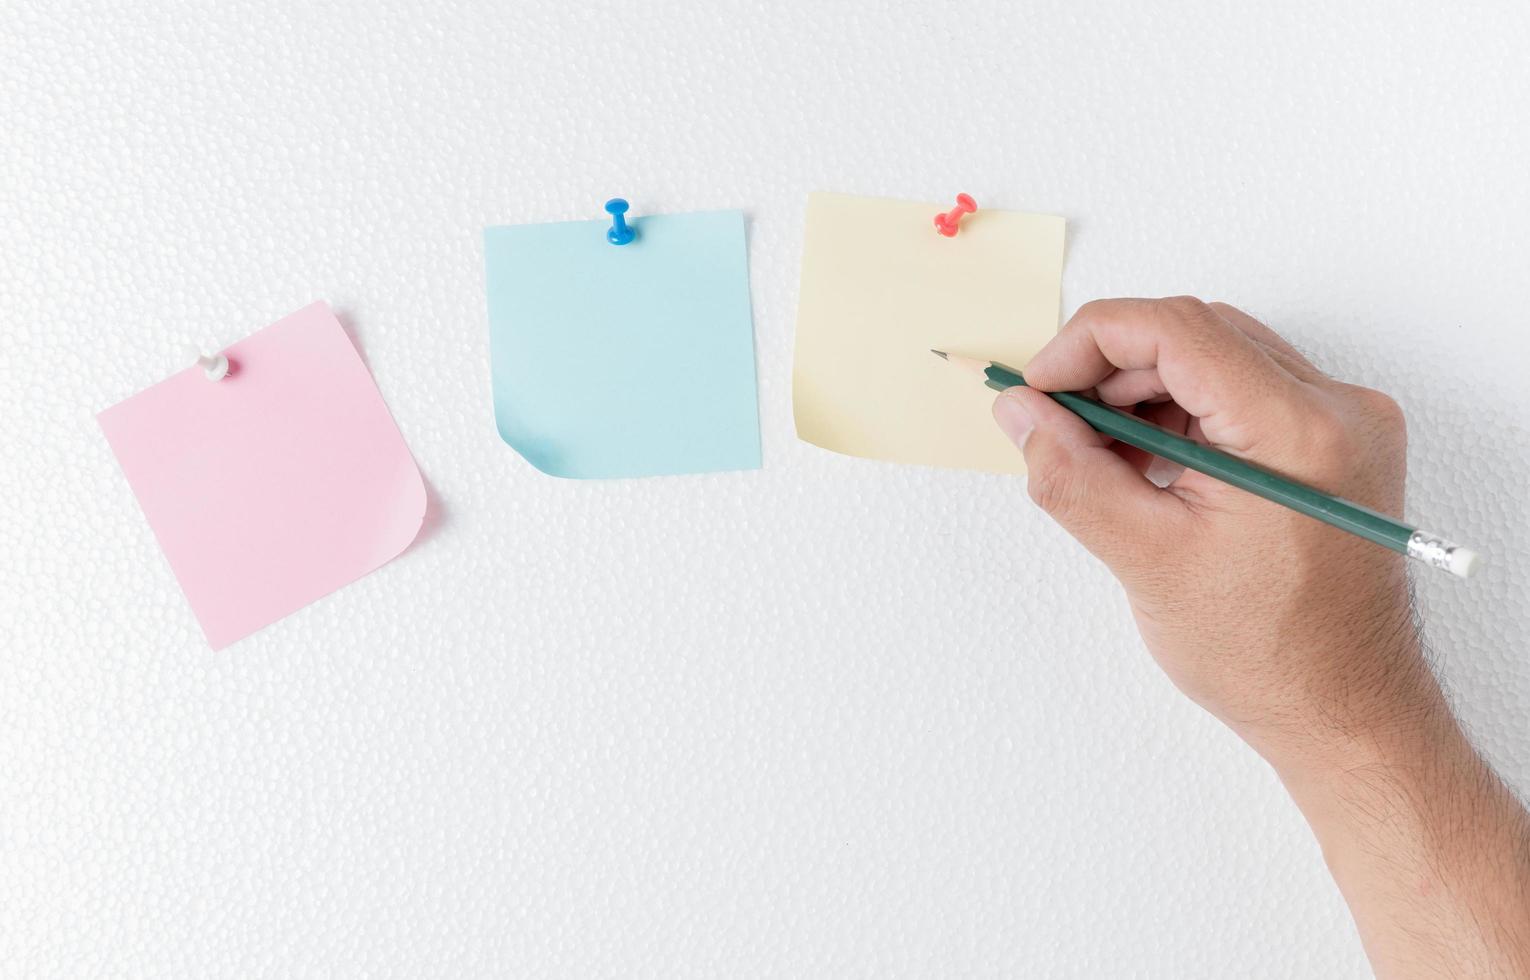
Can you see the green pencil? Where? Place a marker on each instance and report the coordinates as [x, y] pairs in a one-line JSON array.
[[1346, 515]]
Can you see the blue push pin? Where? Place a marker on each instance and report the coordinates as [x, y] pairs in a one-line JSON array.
[[619, 234]]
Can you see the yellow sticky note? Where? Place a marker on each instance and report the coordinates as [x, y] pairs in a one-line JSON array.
[[880, 287]]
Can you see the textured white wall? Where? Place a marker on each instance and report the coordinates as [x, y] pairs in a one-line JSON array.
[[832, 718]]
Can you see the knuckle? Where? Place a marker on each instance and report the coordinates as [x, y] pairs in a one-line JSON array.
[[1094, 309], [1382, 408], [1188, 308], [1383, 420], [1188, 322], [1050, 488], [1042, 487], [1061, 487]]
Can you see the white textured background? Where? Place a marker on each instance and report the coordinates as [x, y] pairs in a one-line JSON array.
[[832, 718]]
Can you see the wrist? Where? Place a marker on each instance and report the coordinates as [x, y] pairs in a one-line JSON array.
[[1375, 768], [1405, 784], [1368, 701], [1429, 848]]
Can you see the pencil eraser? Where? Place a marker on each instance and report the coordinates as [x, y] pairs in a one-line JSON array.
[[1463, 562]]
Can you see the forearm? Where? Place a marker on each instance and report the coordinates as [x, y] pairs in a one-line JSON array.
[[1430, 849]]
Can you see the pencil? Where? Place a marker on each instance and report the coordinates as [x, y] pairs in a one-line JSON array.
[[1346, 515]]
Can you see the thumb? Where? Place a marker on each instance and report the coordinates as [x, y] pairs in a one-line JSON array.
[[1098, 497]]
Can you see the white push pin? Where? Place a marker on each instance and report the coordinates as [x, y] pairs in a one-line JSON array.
[[214, 366]]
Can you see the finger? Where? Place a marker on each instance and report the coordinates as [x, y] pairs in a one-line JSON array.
[[1166, 415], [1131, 386], [1169, 415], [1096, 496], [1161, 472], [1138, 459], [1245, 400]]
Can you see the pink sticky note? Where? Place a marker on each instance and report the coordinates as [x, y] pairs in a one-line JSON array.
[[275, 486]]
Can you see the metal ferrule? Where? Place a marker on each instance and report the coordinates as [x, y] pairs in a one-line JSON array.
[[1431, 549]]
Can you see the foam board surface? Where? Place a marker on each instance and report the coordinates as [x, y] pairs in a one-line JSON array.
[[831, 718]]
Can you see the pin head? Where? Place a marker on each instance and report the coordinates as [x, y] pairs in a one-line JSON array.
[[619, 233], [214, 366], [947, 224]]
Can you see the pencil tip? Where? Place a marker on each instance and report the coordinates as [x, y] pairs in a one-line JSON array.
[[940, 354]]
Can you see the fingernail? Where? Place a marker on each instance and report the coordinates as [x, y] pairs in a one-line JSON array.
[[1013, 419]]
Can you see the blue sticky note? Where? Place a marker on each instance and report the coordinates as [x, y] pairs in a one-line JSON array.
[[624, 360]]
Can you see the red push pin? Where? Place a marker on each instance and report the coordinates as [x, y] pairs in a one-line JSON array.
[[946, 223]]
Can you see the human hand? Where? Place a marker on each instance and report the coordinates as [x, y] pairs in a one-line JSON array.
[[1297, 635]]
